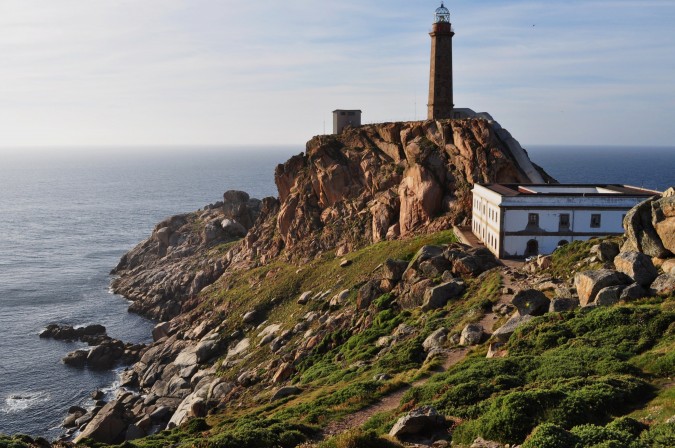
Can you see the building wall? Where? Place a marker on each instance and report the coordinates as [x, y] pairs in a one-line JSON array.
[[342, 118], [503, 223]]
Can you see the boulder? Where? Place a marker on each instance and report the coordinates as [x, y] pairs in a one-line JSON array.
[[107, 426], [393, 269], [283, 373], [563, 304], [426, 253], [249, 317], [423, 420], [609, 295], [367, 293], [531, 301], [78, 358], [640, 230], [161, 330], [435, 340], [664, 285], [304, 297], [668, 266], [472, 334], [233, 228], [589, 283], [637, 266], [438, 296], [606, 251], [663, 219], [633, 292], [434, 267], [134, 432], [284, 392], [504, 332], [206, 349], [544, 261]]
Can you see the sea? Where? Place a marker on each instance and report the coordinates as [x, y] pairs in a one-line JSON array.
[[67, 216]]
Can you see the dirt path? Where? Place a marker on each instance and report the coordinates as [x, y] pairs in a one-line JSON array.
[[389, 402], [508, 282]]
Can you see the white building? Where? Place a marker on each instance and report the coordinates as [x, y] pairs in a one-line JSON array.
[[523, 220]]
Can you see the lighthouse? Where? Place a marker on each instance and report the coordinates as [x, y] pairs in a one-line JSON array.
[[440, 76]]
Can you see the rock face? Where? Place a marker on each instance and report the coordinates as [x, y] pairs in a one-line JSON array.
[[164, 271], [379, 182]]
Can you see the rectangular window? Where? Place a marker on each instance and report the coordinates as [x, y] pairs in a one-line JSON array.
[[595, 220], [564, 220], [533, 219]]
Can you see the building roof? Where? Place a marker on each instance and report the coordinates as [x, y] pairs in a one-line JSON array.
[[347, 110], [571, 190]]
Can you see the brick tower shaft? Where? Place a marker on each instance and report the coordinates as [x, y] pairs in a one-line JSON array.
[[440, 77]]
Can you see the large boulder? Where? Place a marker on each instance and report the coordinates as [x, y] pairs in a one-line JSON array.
[[472, 334], [367, 293], [393, 269], [609, 295], [107, 426], [435, 340], [563, 304], [663, 219], [637, 266], [664, 285], [589, 283], [641, 223], [504, 332], [438, 296], [633, 292], [606, 250], [420, 421], [531, 301]]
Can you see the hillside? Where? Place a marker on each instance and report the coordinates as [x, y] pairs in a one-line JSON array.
[[349, 315]]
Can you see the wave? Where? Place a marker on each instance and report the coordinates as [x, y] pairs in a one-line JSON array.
[[21, 401]]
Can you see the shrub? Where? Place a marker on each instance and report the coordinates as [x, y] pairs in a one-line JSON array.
[[660, 436], [548, 435], [629, 425], [591, 435]]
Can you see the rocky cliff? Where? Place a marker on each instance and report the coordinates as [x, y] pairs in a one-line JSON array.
[[372, 183], [379, 182]]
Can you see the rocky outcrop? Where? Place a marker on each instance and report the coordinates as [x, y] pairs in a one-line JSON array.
[[105, 351], [379, 182], [184, 254], [650, 226]]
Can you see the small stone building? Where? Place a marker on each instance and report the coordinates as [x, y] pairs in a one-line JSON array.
[[525, 220], [343, 118]]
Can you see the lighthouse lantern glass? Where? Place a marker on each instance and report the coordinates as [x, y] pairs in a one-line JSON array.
[[442, 14]]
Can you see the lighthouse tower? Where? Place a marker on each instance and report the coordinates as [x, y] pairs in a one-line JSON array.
[[440, 78]]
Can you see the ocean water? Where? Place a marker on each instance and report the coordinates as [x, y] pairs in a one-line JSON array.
[[66, 218], [648, 167]]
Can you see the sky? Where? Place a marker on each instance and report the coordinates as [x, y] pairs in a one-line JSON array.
[[239, 72]]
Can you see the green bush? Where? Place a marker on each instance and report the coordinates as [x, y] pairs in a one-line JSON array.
[[660, 436], [548, 435], [591, 435], [629, 425]]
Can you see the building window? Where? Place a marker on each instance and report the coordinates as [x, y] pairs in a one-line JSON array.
[[533, 219], [595, 220], [564, 221]]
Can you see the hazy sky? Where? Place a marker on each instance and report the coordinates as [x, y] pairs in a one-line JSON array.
[[154, 72]]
